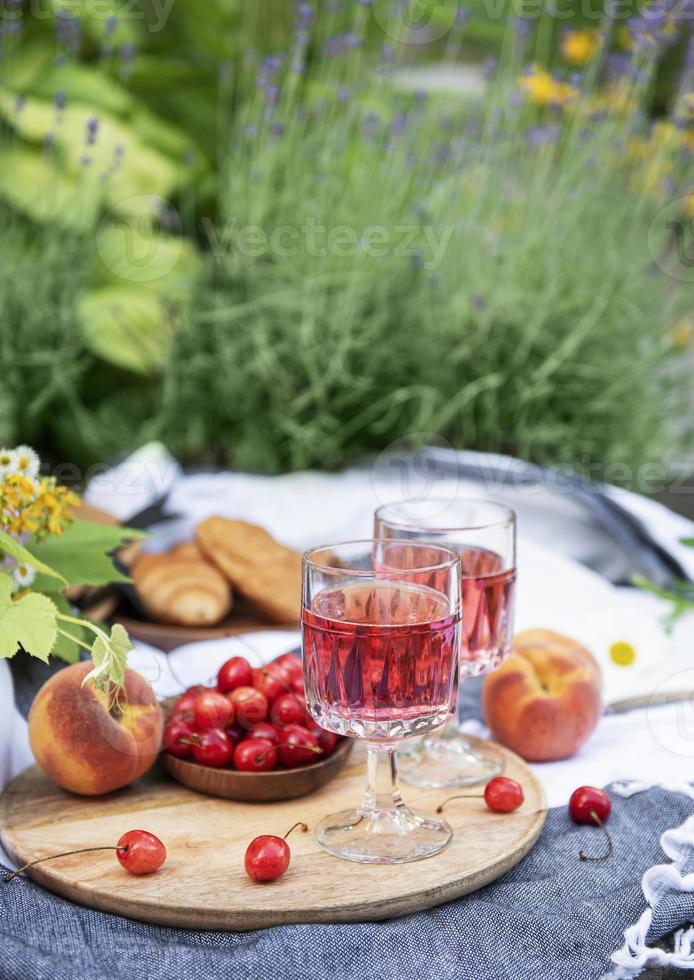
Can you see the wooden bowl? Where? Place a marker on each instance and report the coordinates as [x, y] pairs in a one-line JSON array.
[[258, 787]]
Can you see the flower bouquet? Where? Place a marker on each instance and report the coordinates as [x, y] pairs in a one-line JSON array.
[[46, 549]]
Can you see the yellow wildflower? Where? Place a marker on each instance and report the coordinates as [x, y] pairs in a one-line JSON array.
[[578, 47], [683, 334], [541, 88]]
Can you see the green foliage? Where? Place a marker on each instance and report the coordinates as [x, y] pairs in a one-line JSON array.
[[525, 314], [29, 622], [10, 546], [81, 555]]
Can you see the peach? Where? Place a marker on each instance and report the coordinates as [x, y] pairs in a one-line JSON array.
[[545, 700], [85, 747]]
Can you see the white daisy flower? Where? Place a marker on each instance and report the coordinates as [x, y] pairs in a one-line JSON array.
[[27, 461], [8, 462], [23, 575]]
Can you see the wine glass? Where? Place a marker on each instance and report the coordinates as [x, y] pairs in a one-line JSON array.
[[381, 641], [484, 534]]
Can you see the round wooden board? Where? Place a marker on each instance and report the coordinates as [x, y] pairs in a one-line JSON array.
[[203, 884]]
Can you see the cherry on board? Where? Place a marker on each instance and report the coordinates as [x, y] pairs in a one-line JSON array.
[[140, 852], [503, 795], [272, 681], [267, 857]]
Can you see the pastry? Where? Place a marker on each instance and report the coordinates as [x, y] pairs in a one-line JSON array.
[[182, 588], [267, 573]]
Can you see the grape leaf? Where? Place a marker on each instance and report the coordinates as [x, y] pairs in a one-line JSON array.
[[14, 549], [110, 657], [81, 554], [29, 622]]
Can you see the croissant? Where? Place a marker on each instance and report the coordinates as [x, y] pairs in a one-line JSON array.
[[181, 588], [261, 569]]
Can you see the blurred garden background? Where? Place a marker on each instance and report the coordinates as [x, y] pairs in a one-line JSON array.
[[279, 235]]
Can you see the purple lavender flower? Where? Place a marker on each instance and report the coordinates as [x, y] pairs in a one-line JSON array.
[[92, 129], [544, 135], [60, 101], [19, 103], [371, 124], [488, 68], [68, 30], [111, 25], [342, 94], [277, 129], [398, 124]]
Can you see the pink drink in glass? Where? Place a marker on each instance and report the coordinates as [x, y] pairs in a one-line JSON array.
[[487, 604], [380, 659]]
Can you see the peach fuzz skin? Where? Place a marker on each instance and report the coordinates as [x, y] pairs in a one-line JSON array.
[[82, 746], [545, 700]]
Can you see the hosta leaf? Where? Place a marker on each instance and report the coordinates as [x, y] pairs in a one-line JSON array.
[[126, 326], [80, 83], [130, 250], [29, 622], [81, 554], [10, 546], [34, 185]]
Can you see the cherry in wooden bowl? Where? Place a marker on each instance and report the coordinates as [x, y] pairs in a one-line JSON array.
[[258, 787]]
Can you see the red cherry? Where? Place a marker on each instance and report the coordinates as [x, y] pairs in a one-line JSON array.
[[186, 701], [264, 730], [587, 803], [326, 740], [140, 852], [299, 747], [271, 681], [213, 748], [235, 733], [290, 663], [267, 857], [590, 805], [255, 755], [287, 710], [212, 710], [251, 706], [297, 686], [234, 673], [503, 795], [177, 738]]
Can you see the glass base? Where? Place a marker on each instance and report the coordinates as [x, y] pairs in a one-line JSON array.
[[390, 836], [449, 758]]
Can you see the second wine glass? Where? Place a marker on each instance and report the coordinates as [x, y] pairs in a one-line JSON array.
[[483, 533]]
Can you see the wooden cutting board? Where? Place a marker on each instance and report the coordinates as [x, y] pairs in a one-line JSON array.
[[203, 884]]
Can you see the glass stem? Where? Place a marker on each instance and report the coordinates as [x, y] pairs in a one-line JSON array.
[[382, 782]]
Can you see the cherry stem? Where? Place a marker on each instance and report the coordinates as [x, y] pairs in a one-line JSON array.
[[608, 853], [299, 823], [52, 857], [290, 745], [459, 796]]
